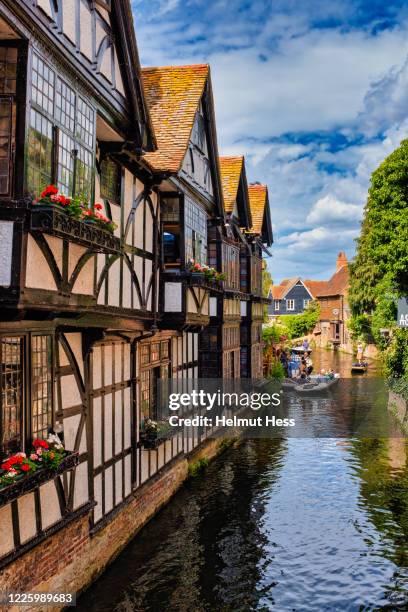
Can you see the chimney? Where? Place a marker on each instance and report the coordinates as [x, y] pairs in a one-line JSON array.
[[341, 260]]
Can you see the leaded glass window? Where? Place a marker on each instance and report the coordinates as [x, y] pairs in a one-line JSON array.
[[65, 106], [8, 83], [110, 181], [66, 161], [12, 376], [69, 125], [40, 148], [195, 235], [8, 70], [41, 363], [84, 172]]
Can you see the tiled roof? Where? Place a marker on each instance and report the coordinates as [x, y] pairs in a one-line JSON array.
[[257, 201], [278, 291], [231, 168], [173, 95], [338, 284], [315, 287]]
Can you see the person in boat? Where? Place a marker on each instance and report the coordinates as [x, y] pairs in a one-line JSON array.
[[360, 353], [309, 365], [305, 345], [303, 368]]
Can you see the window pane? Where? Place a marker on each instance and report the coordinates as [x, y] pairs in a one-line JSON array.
[[6, 143], [66, 160], [8, 70], [40, 146], [65, 106], [110, 181], [43, 84], [11, 370], [84, 172], [85, 123], [41, 416]]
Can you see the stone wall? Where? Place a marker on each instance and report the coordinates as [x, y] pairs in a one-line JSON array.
[[398, 406], [71, 559]]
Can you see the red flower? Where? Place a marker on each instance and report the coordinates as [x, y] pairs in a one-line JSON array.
[[40, 444], [6, 466], [49, 191], [25, 467], [98, 206]]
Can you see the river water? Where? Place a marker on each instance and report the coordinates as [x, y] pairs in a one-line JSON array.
[[303, 524]]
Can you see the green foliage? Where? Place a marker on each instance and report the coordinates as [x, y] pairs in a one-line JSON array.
[[266, 282], [396, 355], [271, 334], [382, 246], [278, 371], [359, 326], [301, 324], [198, 467]]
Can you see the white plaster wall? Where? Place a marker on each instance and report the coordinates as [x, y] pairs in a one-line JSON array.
[[38, 274], [81, 493], [68, 18], [50, 512], [70, 392], [86, 31], [6, 530], [26, 514]]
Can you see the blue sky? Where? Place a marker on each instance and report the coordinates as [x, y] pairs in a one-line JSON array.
[[314, 94]]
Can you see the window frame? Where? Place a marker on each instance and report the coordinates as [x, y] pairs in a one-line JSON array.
[[80, 136], [27, 386], [306, 302], [290, 304], [276, 304]]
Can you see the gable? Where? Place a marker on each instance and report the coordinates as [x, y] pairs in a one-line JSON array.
[[196, 165], [182, 109], [235, 189], [97, 38]]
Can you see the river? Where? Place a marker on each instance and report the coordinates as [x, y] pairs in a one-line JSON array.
[[303, 524]]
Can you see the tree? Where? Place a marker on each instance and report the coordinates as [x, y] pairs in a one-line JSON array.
[[382, 251], [266, 282], [379, 273]]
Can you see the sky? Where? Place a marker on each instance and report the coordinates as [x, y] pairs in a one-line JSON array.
[[313, 93]]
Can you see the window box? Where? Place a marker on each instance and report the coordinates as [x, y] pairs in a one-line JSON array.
[[155, 434], [55, 221], [30, 482]]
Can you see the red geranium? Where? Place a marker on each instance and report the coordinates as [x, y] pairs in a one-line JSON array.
[[25, 467], [40, 444], [98, 206], [49, 191]]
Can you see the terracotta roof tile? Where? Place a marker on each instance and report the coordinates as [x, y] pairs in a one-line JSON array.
[[315, 286], [173, 94], [338, 284], [231, 168], [257, 200], [278, 291]]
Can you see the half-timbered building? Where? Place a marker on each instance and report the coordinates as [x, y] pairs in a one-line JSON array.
[[191, 204], [112, 279], [260, 238]]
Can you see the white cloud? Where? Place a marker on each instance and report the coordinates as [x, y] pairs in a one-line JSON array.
[[330, 209], [274, 76]]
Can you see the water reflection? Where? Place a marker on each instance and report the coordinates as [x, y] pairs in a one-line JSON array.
[[295, 524]]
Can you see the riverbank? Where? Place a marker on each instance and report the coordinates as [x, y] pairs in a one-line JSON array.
[[70, 560]]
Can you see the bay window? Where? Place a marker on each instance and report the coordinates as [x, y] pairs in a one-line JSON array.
[[61, 135], [195, 228], [230, 265], [8, 88], [26, 379]]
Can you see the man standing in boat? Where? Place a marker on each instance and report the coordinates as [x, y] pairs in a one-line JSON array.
[[360, 352]]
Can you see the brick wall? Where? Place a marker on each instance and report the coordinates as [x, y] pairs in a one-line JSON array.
[[71, 559]]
